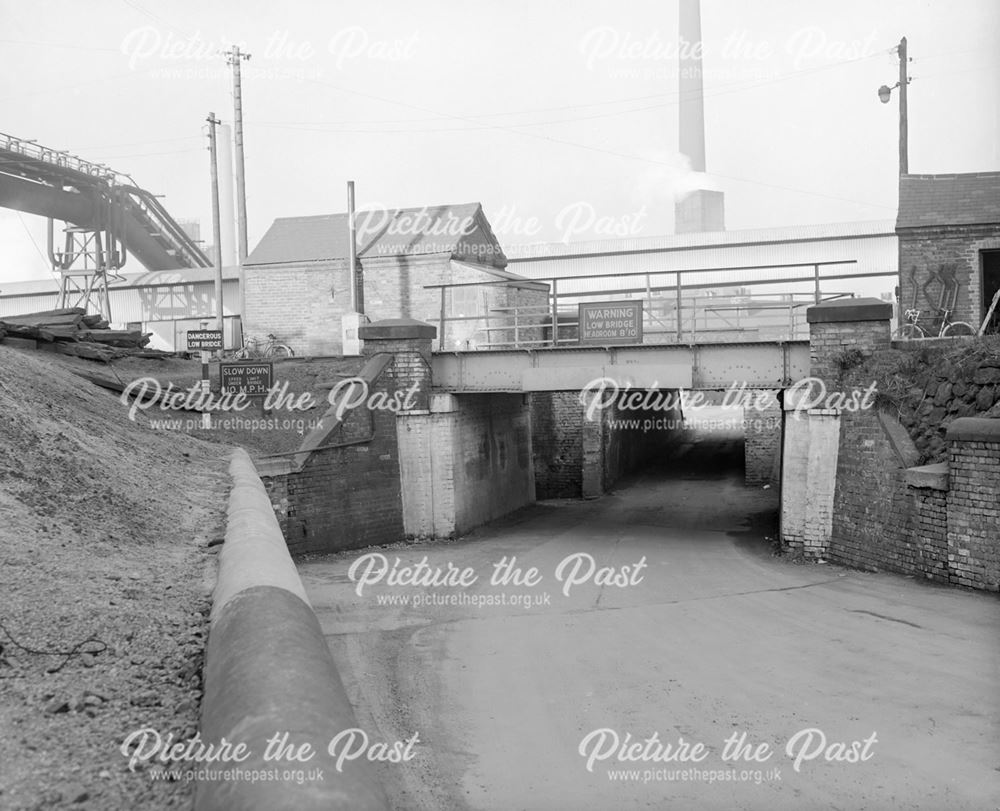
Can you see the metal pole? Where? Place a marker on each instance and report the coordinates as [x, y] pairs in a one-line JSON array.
[[904, 162], [555, 313], [816, 294], [234, 57], [441, 331], [216, 221], [680, 327], [354, 277]]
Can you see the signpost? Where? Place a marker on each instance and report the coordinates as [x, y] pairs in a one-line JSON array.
[[611, 322], [204, 341], [253, 379]]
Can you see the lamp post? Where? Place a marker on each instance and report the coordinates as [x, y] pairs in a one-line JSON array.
[[885, 93]]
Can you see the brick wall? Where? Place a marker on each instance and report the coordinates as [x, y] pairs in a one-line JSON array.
[[395, 286], [974, 506], [821, 477], [575, 457], [632, 438], [925, 250], [934, 522], [346, 494], [343, 497], [873, 517], [762, 442], [492, 458], [930, 531], [557, 444], [464, 462], [938, 522], [831, 343], [410, 368], [304, 303], [524, 312], [794, 469], [426, 452]]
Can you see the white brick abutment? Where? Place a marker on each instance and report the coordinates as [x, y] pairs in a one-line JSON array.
[[464, 461], [269, 671], [841, 329]]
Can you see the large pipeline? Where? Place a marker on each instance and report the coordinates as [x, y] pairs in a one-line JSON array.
[[269, 671]]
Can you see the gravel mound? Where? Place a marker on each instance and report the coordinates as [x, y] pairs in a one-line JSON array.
[[105, 576]]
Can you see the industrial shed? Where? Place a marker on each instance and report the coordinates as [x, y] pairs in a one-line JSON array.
[[165, 303]]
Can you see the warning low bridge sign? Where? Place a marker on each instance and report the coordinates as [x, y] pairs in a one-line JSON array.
[[611, 322]]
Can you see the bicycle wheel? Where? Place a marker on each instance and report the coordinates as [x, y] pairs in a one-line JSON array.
[[280, 351], [958, 328], [910, 331]]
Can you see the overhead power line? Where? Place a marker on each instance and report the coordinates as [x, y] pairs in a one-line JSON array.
[[601, 150], [671, 99]]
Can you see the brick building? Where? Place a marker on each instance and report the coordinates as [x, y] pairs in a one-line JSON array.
[[949, 239], [297, 282]]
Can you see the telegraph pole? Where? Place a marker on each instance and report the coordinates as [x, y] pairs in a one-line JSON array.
[[234, 58], [885, 93], [904, 159], [216, 220]]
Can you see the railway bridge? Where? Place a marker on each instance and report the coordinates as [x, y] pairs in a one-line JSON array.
[[484, 433]]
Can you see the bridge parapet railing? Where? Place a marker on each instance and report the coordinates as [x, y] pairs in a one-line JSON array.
[[511, 314]]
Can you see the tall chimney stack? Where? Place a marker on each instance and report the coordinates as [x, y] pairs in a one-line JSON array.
[[702, 209]]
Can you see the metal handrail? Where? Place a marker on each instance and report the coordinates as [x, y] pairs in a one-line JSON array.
[[145, 202], [62, 159], [525, 320]]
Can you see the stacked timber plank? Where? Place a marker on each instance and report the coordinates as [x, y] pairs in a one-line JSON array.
[[70, 331]]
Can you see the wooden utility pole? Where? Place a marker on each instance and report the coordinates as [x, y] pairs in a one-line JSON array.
[[216, 220], [904, 160]]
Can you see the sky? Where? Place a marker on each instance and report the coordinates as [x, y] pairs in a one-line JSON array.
[[560, 118]]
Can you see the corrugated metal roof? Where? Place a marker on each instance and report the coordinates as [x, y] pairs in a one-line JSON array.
[[872, 255], [535, 251], [966, 199], [155, 278], [152, 302], [771, 258], [398, 232]]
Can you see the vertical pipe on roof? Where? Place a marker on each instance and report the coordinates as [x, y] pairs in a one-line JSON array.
[[353, 276]]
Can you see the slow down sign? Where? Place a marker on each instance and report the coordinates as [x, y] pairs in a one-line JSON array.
[[252, 379]]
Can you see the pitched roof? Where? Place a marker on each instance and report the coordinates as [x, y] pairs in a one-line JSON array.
[[931, 200], [394, 232]]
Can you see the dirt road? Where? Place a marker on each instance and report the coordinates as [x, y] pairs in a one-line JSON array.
[[705, 637]]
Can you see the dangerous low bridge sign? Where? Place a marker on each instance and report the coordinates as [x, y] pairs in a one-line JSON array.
[[611, 322]]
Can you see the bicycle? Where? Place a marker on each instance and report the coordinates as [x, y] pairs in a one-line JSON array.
[[948, 329], [251, 349]]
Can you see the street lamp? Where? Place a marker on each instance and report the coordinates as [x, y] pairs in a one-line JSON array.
[[885, 93]]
